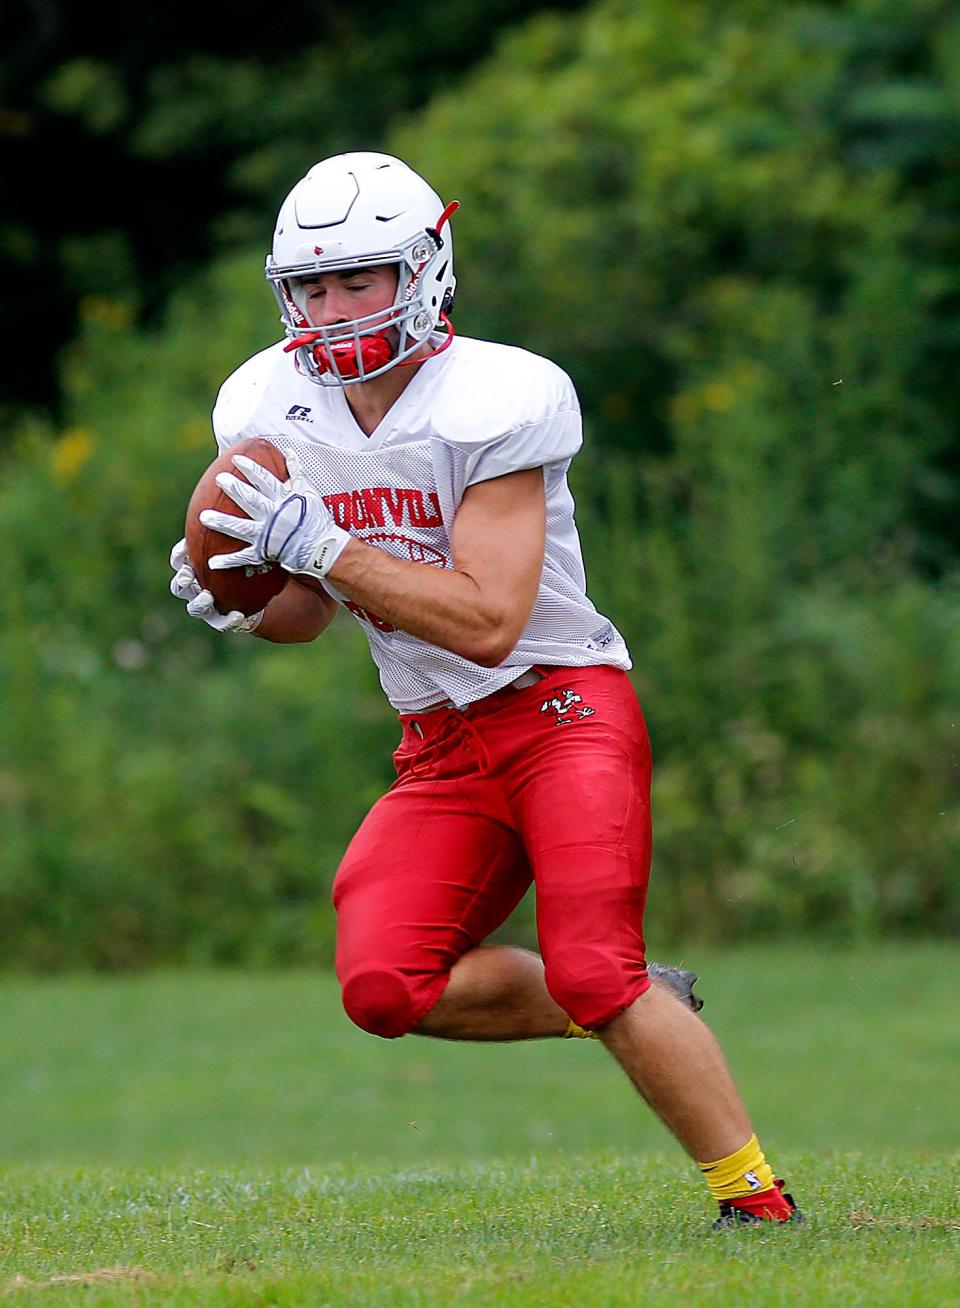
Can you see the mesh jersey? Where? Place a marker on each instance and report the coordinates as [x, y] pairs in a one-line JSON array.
[[477, 411]]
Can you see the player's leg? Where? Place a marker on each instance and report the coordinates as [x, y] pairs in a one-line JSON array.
[[413, 896], [496, 992], [445, 836], [676, 1064], [587, 824], [392, 984], [433, 870]]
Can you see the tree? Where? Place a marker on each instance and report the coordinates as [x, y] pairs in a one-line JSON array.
[[736, 226], [133, 152], [752, 285]]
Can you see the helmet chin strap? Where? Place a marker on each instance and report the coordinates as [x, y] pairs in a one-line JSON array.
[[410, 363]]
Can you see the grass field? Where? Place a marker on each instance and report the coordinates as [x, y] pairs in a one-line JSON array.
[[230, 1139]]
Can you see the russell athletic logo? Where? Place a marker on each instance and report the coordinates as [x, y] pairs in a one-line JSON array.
[[299, 413], [568, 707]]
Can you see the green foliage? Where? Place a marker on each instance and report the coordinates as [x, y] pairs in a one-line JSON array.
[[182, 130], [730, 224], [159, 790], [707, 214], [623, 168], [89, 90]]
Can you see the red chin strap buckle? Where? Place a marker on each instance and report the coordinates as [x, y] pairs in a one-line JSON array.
[[344, 358]]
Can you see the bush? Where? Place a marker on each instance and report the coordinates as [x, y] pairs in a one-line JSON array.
[[674, 201]]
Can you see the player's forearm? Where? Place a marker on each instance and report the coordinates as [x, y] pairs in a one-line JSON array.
[[298, 613], [444, 606]]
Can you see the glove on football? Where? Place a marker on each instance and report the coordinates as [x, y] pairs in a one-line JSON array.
[[677, 980], [288, 522], [200, 603]]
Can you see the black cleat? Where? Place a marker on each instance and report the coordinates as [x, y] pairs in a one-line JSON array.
[[677, 980]]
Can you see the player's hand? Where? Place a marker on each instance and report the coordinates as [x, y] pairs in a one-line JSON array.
[[200, 603], [288, 522]]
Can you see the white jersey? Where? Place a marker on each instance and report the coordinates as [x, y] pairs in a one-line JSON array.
[[476, 411]]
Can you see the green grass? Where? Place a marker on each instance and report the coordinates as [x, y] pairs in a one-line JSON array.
[[852, 1050], [596, 1231], [230, 1140]]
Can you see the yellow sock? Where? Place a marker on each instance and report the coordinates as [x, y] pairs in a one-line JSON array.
[[745, 1172], [574, 1032]]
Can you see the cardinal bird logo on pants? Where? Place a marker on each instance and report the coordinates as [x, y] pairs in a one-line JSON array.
[[568, 706]]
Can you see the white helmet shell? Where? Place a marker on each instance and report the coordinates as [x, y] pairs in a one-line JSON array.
[[353, 211]]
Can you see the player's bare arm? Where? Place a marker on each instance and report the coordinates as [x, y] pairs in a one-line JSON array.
[[298, 613], [478, 608]]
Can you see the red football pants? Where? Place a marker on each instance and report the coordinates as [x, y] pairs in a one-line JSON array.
[[549, 783]]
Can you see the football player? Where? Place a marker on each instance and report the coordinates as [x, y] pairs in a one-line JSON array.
[[428, 495]]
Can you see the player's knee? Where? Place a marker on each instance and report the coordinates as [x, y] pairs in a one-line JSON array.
[[591, 984], [379, 1001]]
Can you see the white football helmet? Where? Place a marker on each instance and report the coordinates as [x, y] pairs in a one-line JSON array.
[[354, 211]]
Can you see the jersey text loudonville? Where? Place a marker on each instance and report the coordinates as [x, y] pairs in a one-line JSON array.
[[377, 506]]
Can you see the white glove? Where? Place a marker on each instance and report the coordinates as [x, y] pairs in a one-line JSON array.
[[200, 603], [288, 524]]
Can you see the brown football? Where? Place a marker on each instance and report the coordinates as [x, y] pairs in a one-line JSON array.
[[247, 589]]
